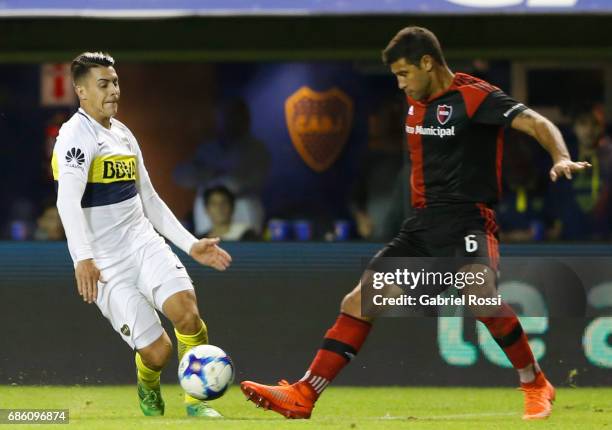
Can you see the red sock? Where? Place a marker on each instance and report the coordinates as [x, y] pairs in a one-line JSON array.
[[508, 333], [342, 342]]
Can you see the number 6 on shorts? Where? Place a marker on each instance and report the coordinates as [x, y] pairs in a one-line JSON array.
[[470, 243]]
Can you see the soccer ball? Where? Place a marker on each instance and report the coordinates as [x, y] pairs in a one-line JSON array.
[[205, 372]]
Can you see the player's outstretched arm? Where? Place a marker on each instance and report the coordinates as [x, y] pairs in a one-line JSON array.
[[69, 194], [204, 251], [158, 212], [209, 253], [549, 136]]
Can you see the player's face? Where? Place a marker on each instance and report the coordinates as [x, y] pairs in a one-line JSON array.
[[588, 131], [51, 224], [219, 209], [99, 92], [413, 80]]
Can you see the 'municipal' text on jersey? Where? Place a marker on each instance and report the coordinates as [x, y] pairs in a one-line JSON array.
[[109, 163], [455, 140]]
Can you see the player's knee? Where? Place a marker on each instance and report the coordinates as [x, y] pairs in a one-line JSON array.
[[182, 310], [189, 322], [156, 361], [157, 355]]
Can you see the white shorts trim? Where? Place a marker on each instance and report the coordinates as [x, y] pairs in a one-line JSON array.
[[148, 336], [170, 288]]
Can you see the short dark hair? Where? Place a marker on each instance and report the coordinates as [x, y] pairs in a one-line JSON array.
[[411, 43], [221, 189], [86, 60]]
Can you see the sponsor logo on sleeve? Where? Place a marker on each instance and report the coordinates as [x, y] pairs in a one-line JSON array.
[[75, 158]]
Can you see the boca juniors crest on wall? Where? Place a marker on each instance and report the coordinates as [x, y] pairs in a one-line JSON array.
[[319, 124], [444, 113]]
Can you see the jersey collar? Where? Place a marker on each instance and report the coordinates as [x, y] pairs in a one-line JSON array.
[[96, 125]]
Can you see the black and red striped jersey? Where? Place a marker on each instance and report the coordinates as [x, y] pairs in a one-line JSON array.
[[455, 140]]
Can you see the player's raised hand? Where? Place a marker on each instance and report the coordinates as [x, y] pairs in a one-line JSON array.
[[566, 168], [87, 276], [209, 253]]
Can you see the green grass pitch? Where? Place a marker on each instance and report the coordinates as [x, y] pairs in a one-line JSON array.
[[116, 407]]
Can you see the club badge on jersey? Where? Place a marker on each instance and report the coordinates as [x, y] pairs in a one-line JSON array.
[[444, 113]]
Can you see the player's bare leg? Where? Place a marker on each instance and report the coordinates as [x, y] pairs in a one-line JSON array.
[[182, 309], [150, 360], [505, 328], [342, 342]]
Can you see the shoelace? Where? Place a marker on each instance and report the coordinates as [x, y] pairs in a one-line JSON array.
[[283, 396], [151, 397]]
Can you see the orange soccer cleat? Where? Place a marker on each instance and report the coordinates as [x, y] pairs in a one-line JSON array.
[[289, 400], [539, 396]]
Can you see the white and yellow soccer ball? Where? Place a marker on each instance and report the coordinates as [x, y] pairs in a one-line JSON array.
[[206, 372]]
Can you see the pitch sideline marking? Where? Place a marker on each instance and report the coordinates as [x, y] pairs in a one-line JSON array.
[[443, 417]]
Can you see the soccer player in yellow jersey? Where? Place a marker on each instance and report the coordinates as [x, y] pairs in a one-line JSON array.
[[114, 222]]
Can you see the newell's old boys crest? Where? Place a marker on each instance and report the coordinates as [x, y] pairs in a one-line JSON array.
[[319, 124], [444, 113]]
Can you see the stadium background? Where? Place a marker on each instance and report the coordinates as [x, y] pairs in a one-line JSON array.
[[173, 71]]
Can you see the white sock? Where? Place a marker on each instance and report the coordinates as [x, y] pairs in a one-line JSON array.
[[528, 374], [318, 383]]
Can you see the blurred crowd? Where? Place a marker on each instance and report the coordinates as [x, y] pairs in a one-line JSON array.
[[228, 174], [229, 171], [534, 209]]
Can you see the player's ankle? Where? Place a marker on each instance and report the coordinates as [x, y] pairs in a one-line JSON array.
[[538, 381], [150, 385], [307, 390]]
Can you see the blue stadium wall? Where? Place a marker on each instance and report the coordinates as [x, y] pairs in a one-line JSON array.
[[269, 311]]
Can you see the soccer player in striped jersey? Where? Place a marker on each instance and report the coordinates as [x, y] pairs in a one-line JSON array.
[[114, 222], [454, 134]]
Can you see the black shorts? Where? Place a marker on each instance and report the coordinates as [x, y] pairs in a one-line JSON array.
[[463, 230]]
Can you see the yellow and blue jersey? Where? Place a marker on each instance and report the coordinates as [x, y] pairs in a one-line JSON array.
[[108, 164]]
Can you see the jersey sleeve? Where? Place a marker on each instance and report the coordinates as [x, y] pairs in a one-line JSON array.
[[498, 109], [143, 181], [72, 155], [69, 193], [71, 160]]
